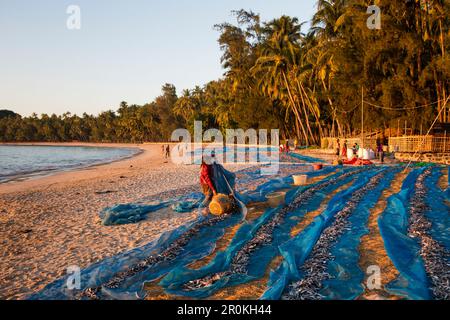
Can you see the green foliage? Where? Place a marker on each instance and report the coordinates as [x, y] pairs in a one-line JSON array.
[[307, 85]]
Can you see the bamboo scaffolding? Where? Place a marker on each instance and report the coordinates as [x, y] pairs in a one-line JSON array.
[[407, 144]]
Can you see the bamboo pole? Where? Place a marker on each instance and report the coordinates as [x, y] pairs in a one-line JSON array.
[[362, 117], [445, 141], [429, 130]]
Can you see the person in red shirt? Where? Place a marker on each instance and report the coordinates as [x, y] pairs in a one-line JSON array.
[[206, 181]]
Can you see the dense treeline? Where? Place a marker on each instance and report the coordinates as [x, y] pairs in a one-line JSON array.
[[307, 85]]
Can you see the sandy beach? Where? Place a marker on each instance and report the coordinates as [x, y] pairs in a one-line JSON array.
[[50, 223]]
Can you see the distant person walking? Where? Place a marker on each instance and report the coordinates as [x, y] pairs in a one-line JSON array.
[[380, 152], [163, 150], [167, 155], [338, 149]]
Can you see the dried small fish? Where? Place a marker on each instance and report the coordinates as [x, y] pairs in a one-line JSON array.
[[263, 237], [436, 257], [169, 254], [315, 267]]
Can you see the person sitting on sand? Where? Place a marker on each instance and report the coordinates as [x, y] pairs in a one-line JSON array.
[[355, 149]]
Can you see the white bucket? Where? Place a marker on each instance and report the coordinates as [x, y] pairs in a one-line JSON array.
[[360, 153], [300, 180], [276, 199], [350, 154], [366, 155]]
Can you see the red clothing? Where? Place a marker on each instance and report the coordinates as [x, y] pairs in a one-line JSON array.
[[205, 176]]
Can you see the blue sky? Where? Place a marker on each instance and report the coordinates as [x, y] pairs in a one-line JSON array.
[[125, 50]]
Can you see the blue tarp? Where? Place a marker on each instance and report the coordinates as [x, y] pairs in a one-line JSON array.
[[198, 247], [347, 276], [346, 283], [224, 182], [296, 251], [438, 213], [174, 281], [306, 158], [412, 282]]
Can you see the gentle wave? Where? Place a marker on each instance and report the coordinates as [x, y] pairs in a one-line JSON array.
[[22, 162]]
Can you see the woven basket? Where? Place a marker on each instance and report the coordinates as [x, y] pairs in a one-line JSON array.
[[276, 199], [300, 180], [220, 204]]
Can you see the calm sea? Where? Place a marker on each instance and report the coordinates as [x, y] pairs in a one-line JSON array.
[[20, 162]]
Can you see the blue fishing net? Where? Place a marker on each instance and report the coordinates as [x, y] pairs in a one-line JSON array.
[[296, 250], [273, 185], [438, 213], [260, 259], [199, 246], [346, 275], [412, 282], [306, 158], [128, 213], [174, 281], [102, 271], [224, 182]]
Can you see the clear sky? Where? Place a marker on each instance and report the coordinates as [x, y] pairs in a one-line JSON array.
[[125, 49]]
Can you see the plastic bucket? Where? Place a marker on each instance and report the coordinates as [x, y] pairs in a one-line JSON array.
[[366, 154], [220, 204], [300, 180], [276, 199], [361, 153]]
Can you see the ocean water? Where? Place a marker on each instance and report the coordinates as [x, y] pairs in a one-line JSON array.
[[21, 162]]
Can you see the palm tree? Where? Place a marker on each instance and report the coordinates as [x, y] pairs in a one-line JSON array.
[[185, 106], [324, 36], [278, 68]]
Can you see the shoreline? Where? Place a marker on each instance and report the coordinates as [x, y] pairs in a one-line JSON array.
[[43, 178], [46, 173]]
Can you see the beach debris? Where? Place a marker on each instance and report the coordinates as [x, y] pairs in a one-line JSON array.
[[263, 237], [105, 192], [316, 266], [435, 256], [169, 254]]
